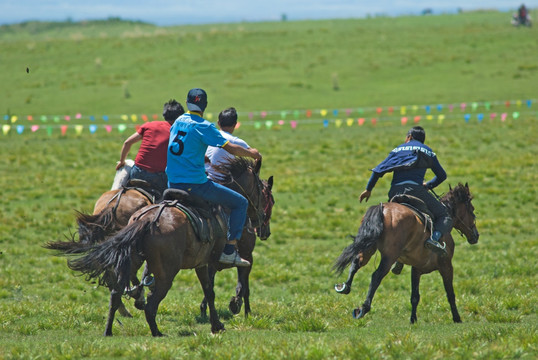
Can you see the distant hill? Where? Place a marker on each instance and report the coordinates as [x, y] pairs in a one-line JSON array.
[[60, 29]]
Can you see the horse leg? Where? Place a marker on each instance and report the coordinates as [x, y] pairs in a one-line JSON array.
[[447, 272], [140, 301], [415, 294], [115, 298], [241, 291], [203, 277], [115, 303], [155, 296], [203, 305], [359, 261], [121, 309], [378, 275]]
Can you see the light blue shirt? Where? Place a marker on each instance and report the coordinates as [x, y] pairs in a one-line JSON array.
[[190, 135]]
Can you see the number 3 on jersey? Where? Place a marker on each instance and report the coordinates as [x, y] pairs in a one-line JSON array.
[[180, 145]]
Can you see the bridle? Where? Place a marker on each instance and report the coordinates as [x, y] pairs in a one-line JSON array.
[[455, 216]]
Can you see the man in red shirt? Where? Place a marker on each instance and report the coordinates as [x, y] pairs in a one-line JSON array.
[[150, 161]]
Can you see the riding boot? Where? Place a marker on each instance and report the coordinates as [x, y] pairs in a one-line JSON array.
[[397, 268], [434, 244]]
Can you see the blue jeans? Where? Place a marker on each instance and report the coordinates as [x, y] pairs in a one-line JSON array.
[[157, 180], [219, 194]]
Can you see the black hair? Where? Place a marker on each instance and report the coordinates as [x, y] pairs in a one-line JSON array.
[[228, 117], [172, 110], [417, 133]]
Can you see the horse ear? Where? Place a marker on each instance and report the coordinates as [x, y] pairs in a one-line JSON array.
[[467, 185], [270, 182], [258, 166], [449, 187]]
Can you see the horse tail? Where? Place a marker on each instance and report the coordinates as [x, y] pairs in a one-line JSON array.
[[370, 230], [114, 252], [92, 229]]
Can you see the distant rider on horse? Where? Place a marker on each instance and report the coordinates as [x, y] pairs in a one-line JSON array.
[[409, 162]]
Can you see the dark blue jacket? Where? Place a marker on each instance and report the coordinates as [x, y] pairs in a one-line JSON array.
[[409, 162]]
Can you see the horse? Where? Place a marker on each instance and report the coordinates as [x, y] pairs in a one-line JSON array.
[[245, 247], [111, 213], [164, 237], [396, 232], [113, 210]]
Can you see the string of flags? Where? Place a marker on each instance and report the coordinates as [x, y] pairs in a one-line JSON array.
[[479, 111]]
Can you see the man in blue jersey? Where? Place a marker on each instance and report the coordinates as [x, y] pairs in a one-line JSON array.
[[409, 163], [190, 136]]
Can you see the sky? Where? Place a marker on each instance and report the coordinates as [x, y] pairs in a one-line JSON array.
[[181, 12]]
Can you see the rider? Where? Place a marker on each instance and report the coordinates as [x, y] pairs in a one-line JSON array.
[[409, 162], [522, 14], [217, 156], [190, 136], [150, 161]]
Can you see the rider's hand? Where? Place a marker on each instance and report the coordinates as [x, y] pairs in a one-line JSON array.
[[120, 164], [365, 195], [255, 154]]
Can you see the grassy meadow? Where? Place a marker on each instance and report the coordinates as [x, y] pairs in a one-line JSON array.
[[115, 68]]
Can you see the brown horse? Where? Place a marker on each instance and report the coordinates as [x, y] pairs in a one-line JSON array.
[[111, 213], [162, 235], [397, 233], [113, 210], [245, 247]]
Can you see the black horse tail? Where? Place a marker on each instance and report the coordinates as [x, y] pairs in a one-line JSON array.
[[369, 232], [113, 253], [92, 229]]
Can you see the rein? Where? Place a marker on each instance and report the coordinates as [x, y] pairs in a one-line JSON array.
[[248, 197]]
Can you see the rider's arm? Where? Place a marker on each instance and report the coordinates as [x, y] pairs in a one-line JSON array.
[[238, 150], [126, 147], [440, 175]]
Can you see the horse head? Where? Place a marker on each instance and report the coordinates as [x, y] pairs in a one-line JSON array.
[[460, 201], [242, 175]]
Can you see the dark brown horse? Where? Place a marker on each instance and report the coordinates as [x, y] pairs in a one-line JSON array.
[[396, 232], [164, 237], [245, 247]]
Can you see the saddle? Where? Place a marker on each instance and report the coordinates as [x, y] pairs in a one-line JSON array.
[[208, 220], [418, 206], [144, 188]]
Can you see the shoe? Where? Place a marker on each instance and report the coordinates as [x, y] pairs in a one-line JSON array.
[[397, 268], [436, 246], [233, 259]]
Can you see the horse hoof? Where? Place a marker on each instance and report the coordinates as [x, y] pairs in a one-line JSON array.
[[342, 289], [358, 315], [140, 304], [235, 305], [217, 328]]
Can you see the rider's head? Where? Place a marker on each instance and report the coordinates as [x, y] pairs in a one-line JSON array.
[[417, 133], [228, 118], [197, 100], [172, 110]]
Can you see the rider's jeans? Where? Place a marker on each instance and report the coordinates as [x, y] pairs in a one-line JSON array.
[[219, 194]]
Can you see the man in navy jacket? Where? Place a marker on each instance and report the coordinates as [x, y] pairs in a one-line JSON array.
[[409, 162]]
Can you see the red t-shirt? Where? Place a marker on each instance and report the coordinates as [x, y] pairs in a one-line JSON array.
[[152, 153]]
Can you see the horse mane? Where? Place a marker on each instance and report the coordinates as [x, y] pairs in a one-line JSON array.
[[233, 168], [457, 195]]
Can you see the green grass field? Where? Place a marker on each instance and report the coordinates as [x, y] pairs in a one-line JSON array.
[[48, 312]]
